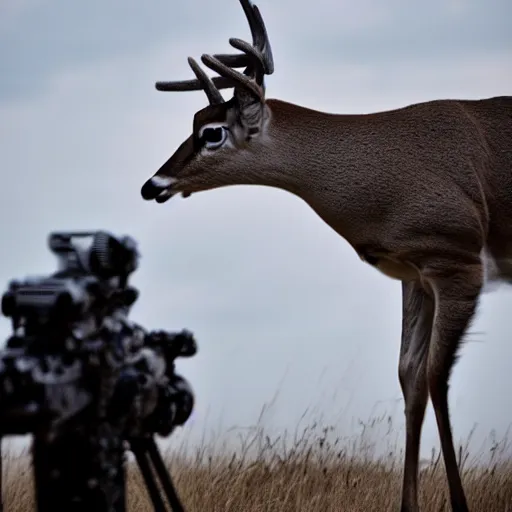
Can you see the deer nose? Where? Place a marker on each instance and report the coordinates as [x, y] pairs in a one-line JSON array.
[[155, 186]]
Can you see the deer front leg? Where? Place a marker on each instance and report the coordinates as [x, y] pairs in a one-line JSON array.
[[456, 289], [417, 320]]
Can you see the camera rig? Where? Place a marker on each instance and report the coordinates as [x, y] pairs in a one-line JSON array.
[[87, 382]]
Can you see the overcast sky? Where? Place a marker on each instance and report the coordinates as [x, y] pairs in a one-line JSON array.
[[277, 300]]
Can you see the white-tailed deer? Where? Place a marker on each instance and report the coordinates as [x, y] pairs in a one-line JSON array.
[[423, 193]]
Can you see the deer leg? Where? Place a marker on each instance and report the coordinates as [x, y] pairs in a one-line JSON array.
[[417, 320], [456, 290]]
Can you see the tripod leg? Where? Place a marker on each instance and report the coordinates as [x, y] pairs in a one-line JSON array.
[[1, 478], [164, 476], [140, 455]]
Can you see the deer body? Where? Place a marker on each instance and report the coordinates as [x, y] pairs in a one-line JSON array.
[[400, 186], [422, 193]]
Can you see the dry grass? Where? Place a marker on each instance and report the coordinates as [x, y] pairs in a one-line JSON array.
[[298, 473]]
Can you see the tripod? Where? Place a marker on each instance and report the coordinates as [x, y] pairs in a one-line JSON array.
[[87, 382], [63, 482]]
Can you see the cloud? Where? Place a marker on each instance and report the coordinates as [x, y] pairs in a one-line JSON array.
[[405, 31], [39, 39], [44, 38]]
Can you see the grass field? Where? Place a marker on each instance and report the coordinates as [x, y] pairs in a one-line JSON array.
[[310, 471]]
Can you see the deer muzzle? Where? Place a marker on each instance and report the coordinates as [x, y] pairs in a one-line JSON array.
[[159, 188]]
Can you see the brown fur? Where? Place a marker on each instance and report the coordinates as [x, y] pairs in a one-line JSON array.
[[418, 192]]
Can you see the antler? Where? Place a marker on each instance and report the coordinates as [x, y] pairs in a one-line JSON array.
[[256, 58]]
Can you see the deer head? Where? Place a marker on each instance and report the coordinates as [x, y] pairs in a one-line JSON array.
[[210, 157]]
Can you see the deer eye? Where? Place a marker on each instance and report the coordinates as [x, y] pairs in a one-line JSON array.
[[213, 136]]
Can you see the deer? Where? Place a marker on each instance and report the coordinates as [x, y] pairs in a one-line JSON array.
[[422, 193]]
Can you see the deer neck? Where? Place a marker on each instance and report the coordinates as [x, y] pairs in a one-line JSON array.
[[325, 159]]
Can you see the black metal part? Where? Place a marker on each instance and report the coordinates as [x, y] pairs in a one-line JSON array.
[[141, 456], [165, 477], [79, 471], [1, 479], [146, 452]]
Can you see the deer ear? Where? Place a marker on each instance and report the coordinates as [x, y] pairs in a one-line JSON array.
[[251, 111]]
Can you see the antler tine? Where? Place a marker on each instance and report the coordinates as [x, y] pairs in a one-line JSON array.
[[237, 77], [259, 33], [265, 48], [240, 60], [252, 78], [220, 82], [213, 94], [259, 39], [248, 8]]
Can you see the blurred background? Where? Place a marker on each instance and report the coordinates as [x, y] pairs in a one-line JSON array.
[[284, 312]]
